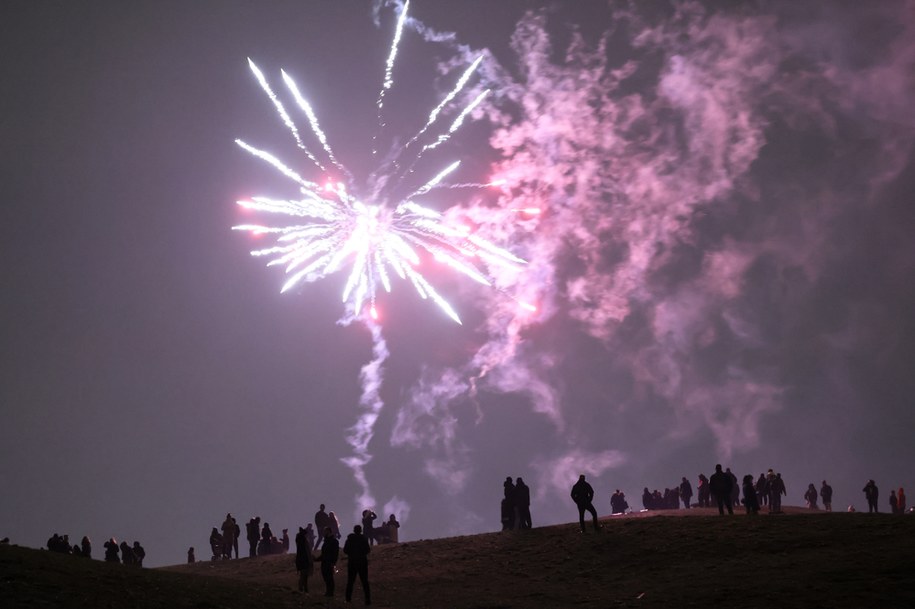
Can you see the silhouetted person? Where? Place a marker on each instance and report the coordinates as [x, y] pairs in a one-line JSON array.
[[393, 526], [334, 524], [228, 536], [750, 500], [735, 487], [894, 503], [776, 490], [253, 533], [190, 556], [127, 556], [703, 491], [871, 493], [647, 499], [523, 503], [686, 492], [811, 497], [111, 551], [368, 525], [285, 540], [582, 494], [826, 496], [86, 547], [357, 550], [330, 550], [215, 543], [762, 490], [720, 487], [900, 497], [237, 534], [304, 561], [139, 553], [509, 505], [310, 535], [322, 520]]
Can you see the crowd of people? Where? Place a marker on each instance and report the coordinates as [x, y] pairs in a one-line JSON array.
[[723, 490], [323, 537], [114, 552]]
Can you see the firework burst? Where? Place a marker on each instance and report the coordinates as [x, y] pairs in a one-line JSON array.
[[330, 229]]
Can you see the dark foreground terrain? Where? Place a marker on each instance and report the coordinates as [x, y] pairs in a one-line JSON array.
[[697, 560]]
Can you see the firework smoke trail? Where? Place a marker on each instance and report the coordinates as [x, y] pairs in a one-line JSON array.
[[333, 227], [360, 435]]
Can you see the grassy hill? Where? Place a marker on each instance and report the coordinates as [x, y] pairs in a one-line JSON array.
[[670, 559]]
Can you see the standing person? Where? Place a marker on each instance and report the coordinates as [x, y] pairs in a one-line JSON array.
[[322, 520], [330, 550], [334, 524], [368, 525], [190, 556], [393, 525], [811, 497], [776, 490], [235, 536], [582, 494], [215, 543], [750, 499], [720, 488], [826, 496], [894, 503], [523, 503], [871, 493], [703, 491], [310, 535], [735, 488], [357, 550], [686, 492], [253, 533], [304, 561], [900, 498], [138, 554], [762, 490], [86, 545], [509, 516], [112, 549], [228, 536]]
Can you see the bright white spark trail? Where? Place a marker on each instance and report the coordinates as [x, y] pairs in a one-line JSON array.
[[333, 229]]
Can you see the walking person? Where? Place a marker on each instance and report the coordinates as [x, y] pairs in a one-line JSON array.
[[357, 550], [330, 551], [582, 494]]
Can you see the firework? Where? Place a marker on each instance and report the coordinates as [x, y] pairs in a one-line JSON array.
[[328, 228]]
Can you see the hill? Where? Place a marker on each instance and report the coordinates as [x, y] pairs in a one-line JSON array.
[[800, 559]]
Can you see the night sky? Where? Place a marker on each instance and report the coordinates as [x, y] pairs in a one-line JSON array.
[[723, 265]]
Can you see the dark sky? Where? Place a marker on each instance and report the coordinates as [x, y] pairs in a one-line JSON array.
[[724, 263]]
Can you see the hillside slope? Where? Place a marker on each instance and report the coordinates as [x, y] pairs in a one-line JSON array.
[[795, 560]]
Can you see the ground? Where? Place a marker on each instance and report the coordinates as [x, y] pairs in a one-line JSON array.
[[685, 558]]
